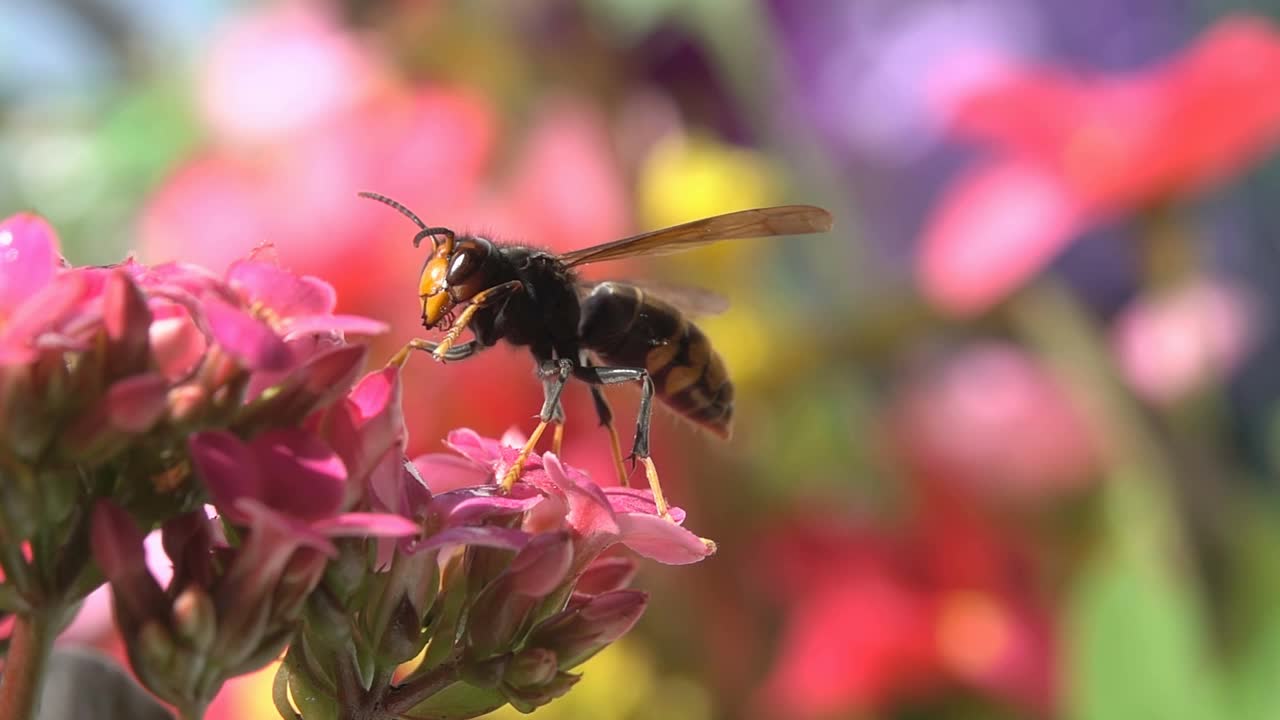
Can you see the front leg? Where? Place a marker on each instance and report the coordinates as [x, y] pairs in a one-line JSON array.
[[563, 369], [484, 298], [457, 352]]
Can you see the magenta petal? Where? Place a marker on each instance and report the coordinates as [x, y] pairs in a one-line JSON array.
[[635, 500], [264, 520], [136, 403], [662, 540], [471, 445], [470, 510], [247, 339], [351, 324], [125, 314], [443, 472], [51, 305], [176, 343], [995, 229], [228, 469], [28, 258], [285, 293], [484, 536], [376, 391], [118, 548], [305, 477], [367, 524]]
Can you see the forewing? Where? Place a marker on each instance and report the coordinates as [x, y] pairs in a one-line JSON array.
[[758, 223]]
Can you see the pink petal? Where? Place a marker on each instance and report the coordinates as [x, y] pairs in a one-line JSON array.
[[996, 228], [247, 339], [305, 477], [51, 306], [635, 500], [292, 532], [443, 472], [176, 343], [542, 564], [28, 258], [662, 540], [136, 403], [284, 293], [347, 324], [367, 524], [483, 536], [228, 469], [471, 445], [376, 392]]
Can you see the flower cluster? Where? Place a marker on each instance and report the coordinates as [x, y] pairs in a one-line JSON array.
[[229, 412]]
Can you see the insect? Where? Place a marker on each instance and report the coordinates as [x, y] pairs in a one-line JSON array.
[[601, 334]]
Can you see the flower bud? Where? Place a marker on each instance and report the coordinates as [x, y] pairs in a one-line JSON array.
[[578, 633], [127, 320], [528, 699], [195, 619], [606, 574], [500, 613], [531, 667]]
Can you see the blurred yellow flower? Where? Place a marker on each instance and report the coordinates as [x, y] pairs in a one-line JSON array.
[[690, 177]]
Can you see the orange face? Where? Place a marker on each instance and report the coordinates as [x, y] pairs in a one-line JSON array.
[[433, 290]]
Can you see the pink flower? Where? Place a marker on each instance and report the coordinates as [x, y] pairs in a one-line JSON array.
[[286, 478], [598, 518], [995, 422], [1174, 343], [1073, 152]]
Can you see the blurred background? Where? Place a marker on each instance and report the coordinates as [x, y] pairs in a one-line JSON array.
[[1007, 438]]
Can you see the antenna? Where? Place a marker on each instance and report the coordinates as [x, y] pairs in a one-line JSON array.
[[426, 231]]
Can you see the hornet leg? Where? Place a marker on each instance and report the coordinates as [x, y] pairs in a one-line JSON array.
[[457, 352], [640, 449], [549, 374], [482, 299], [549, 407], [605, 413]]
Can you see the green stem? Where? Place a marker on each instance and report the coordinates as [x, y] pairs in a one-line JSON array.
[[1140, 489], [29, 647], [404, 698]]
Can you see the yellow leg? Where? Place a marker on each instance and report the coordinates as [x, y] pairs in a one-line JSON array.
[[482, 298], [651, 473], [616, 447], [557, 438], [401, 357], [517, 467], [451, 337]]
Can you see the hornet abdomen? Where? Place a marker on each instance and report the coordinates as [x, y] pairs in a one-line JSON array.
[[627, 327]]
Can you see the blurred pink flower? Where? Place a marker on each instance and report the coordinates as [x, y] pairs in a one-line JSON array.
[[331, 120], [1174, 343], [273, 73], [994, 421], [1074, 151]]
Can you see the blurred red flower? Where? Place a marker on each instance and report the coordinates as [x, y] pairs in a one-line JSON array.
[[876, 617], [1072, 151]]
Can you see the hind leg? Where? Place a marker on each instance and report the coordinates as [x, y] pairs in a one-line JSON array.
[[550, 410], [640, 447]]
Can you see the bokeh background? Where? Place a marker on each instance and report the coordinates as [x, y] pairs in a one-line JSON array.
[[1007, 438]]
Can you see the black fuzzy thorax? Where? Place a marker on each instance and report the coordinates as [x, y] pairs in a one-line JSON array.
[[544, 317]]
